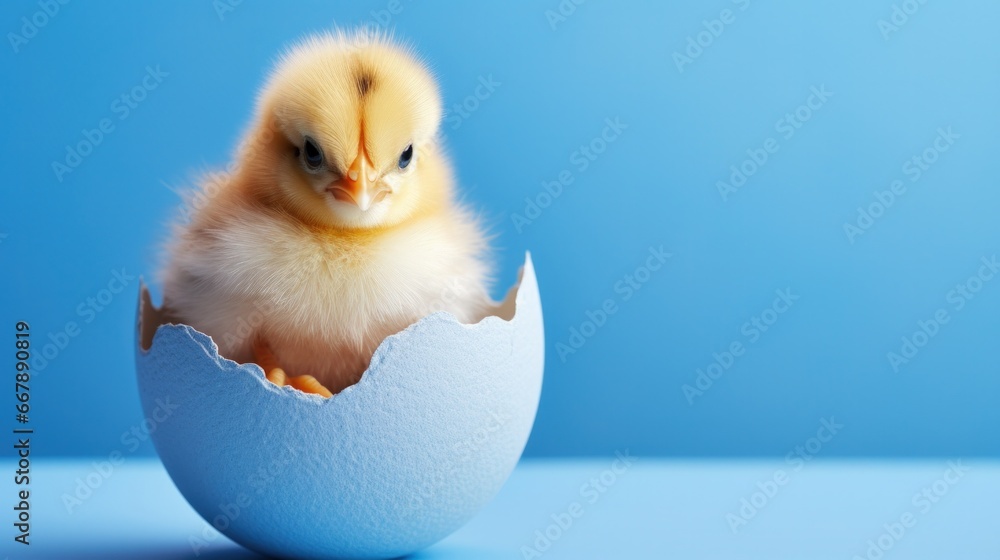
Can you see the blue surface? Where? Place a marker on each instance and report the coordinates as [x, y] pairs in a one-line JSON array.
[[651, 509], [654, 185]]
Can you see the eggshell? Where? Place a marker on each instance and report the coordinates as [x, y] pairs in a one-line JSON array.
[[386, 467]]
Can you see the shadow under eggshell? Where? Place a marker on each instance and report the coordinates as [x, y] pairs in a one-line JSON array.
[[386, 467]]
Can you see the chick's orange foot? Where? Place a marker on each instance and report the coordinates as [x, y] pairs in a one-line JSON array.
[[306, 383]]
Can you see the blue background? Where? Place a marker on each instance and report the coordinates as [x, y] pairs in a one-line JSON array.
[[656, 184]]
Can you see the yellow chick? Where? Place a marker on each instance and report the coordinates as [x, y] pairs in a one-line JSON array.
[[338, 224]]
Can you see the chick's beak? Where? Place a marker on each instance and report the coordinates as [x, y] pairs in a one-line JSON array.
[[360, 186]]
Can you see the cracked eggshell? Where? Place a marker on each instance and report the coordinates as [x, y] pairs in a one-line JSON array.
[[386, 467]]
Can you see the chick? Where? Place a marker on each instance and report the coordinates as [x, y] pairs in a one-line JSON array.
[[337, 226]]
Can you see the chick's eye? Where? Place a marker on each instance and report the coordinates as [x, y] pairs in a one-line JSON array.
[[311, 154], [406, 157]]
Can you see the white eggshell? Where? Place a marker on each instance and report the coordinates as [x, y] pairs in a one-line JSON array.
[[386, 467]]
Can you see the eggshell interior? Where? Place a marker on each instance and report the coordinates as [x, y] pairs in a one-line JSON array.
[[386, 467]]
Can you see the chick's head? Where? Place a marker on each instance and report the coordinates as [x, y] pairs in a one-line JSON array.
[[346, 134]]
